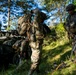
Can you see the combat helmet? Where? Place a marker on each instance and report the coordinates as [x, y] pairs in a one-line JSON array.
[[39, 15], [70, 7]]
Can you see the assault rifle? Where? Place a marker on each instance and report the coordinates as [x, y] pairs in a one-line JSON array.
[[10, 35]]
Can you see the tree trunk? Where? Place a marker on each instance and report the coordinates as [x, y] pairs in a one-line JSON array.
[[8, 13]]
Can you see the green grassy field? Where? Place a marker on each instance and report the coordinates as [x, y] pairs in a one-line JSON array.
[[55, 57], [55, 60]]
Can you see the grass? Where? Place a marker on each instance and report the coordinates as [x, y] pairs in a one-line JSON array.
[[53, 52]]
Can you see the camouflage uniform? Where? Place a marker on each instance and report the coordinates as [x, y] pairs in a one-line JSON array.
[[32, 26], [70, 26], [36, 39]]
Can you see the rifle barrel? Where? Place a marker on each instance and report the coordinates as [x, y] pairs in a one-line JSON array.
[[5, 37]]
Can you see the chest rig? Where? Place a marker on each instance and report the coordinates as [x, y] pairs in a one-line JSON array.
[[36, 29], [71, 23]]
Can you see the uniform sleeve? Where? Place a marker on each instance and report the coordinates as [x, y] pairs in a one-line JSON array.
[[66, 24]]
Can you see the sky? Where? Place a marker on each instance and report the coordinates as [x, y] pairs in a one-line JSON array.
[[6, 23], [49, 21]]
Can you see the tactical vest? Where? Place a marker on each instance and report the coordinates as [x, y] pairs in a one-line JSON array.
[[36, 32], [33, 30], [71, 23]]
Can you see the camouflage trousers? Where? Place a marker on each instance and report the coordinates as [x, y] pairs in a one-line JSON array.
[[73, 52], [36, 48]]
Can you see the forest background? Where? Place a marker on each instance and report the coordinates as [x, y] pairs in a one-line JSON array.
[[56, 47]]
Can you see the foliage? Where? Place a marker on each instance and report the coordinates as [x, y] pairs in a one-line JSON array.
[[56, 8], [74, 1], [19, 7], [13, 9], [53, 52], [60, 30]]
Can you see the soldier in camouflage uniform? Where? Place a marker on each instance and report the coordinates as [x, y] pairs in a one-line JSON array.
[[32, 25], [23, 27], [70, 26], [36, 39]]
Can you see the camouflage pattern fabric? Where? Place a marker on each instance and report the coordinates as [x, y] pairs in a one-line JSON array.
[[33, 28], [17, 45], [10, 42], [23, 24], [73, 52], [70, 25]]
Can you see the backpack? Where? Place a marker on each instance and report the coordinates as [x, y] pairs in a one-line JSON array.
[[46, 30]]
